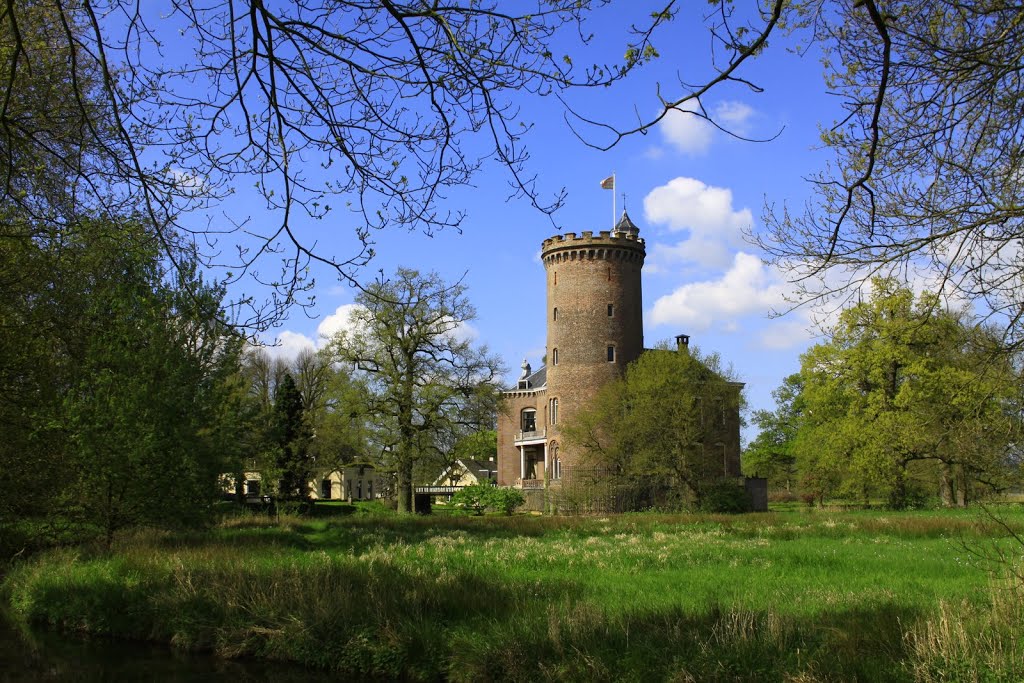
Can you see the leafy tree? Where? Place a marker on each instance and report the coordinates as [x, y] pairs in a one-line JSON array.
[[927, 156], [32, 376], [906, 394], [340, 422], [132, 384], [400, 100], [419, 373], [771, 454], [661, 422], [290, 437], [480, 445], [59, 154]]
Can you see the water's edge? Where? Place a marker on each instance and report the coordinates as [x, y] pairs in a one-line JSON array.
[[34, 654]]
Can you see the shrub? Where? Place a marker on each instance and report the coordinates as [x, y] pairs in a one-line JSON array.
[[505, 501], [474, 498], [480, 497], [724, 496]]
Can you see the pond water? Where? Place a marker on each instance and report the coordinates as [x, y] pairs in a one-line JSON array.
[[39, 655]]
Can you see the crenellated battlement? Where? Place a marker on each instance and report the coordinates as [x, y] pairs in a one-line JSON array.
[[607, 245]]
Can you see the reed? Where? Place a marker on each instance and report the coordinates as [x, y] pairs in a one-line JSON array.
[[794, 596]]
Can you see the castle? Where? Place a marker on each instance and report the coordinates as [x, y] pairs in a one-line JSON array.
[[594, 330]]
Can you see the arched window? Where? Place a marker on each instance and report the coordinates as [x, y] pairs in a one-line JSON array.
[[556, 461], [553, 411]]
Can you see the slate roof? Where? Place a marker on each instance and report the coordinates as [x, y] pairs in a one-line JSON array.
[[626, 225], [537, 380], [481, 469]]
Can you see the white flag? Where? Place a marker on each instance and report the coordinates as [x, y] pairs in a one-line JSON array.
[[608, 183]]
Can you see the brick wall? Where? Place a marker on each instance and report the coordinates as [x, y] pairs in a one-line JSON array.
[[594, 301]]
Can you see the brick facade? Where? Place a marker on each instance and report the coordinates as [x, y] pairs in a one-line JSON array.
[[594, 313]]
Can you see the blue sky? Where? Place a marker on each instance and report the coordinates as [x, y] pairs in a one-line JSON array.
[[691, 189]]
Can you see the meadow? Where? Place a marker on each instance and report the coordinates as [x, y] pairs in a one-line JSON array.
[[796, 595]]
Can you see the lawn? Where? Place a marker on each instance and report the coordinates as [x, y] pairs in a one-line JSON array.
[[796, 595]]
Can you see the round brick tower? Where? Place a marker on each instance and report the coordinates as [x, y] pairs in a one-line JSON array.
[[594, 315]]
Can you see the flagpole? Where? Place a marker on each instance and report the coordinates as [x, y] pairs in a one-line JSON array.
[[614, 190]]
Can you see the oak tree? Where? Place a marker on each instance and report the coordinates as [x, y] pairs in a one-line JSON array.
[[906, 395], [664, 421], [420, 371]]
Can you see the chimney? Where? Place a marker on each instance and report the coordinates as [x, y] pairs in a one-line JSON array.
[[683, 343]]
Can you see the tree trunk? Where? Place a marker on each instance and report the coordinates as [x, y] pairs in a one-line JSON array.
[[946, 488], [404, 475], [961, 487], [898, 495]]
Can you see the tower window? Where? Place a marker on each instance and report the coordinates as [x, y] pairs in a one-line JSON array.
[[556, 277], [554, 314], [553, 409], [554, 356], [611, 354], [611, 310]]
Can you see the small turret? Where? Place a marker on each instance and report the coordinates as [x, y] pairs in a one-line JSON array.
[[524, 378], [626, 225]]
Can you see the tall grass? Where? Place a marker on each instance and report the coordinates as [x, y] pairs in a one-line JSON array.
[[847, 596]]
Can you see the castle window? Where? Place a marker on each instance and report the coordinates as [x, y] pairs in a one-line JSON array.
[[556, 277], [554, 356], [553, 410], [556, 462], [554, 314], [611, 310], [611, 354], [528, 420]]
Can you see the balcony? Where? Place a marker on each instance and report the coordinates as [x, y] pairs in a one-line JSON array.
[[529, 484], [524, 438]]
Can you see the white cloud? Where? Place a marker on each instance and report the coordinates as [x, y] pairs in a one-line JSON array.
[[187, 183], [734, 116], [654, 153], [688, 204], [795, 329], [685, 128], [697, 249], [715, 228], [288, 344], [340, 320], [747, 288], [466, 332]]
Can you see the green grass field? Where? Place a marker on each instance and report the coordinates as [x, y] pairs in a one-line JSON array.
[[801, 596]]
